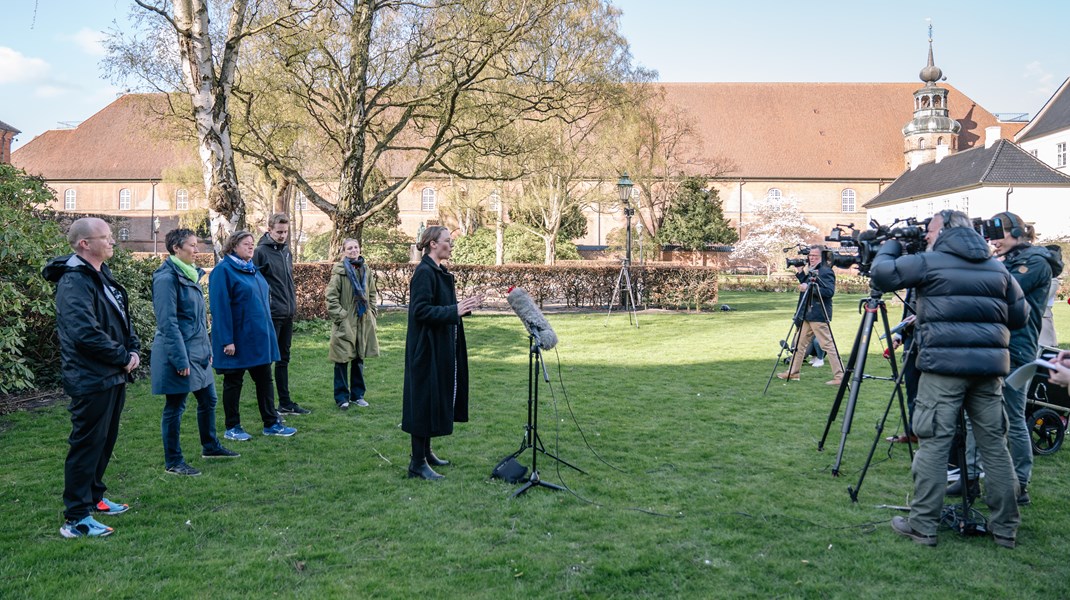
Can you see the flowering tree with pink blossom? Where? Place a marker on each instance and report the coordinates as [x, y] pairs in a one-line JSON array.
[[778, 224]]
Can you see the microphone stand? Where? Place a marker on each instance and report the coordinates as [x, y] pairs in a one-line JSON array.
[[531, 431]]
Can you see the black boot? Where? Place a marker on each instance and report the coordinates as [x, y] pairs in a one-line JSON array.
[[423, 470], [974, 489], [433, 460]]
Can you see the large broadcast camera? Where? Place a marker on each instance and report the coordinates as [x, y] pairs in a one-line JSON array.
[[864, 245]]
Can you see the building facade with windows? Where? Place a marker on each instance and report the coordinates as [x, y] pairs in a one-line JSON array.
[[1048, 134]]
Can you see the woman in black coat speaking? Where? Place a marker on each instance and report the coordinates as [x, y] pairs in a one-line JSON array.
[[436, 357]]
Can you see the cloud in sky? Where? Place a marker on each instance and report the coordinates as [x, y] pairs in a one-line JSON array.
[[16, 67], [88, 41], [1041, 83]]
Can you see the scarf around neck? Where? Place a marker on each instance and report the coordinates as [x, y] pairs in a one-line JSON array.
[[357, 274], [188, 270]]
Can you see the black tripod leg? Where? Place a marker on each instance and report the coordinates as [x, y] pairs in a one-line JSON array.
[[858, 364], [848, 373], [896, 393], [783, 346]]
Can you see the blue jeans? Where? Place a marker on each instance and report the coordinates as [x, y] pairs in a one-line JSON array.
[[353, 389], [171, 423]]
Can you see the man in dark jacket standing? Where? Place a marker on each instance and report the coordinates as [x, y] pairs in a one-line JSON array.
[[1033, 267], [98, 352], [276, 264], [967, 303], [813, 316]]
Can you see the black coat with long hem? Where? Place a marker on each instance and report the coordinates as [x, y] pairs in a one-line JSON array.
[[436, 357]]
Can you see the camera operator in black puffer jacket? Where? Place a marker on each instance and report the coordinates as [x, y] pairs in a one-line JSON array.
[[967, 304]]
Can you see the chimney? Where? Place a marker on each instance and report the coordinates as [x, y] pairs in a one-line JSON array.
[[942, 150], [992, 135]]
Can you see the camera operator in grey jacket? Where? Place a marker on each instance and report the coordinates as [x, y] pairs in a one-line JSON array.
[[967, 304]]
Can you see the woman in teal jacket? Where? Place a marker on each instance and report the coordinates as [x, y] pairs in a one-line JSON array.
[[182, 353]]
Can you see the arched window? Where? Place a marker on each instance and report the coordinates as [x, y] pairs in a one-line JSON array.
[[494, 202], [70, 200], [773, 194], [921, 143], [124, 199], [847, 200], [427, 200], [182, 200], [124, 234], [940, 141]]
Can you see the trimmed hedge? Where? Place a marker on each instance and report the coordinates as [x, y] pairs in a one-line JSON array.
[[572, 286]]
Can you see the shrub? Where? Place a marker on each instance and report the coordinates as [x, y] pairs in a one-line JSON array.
[[28, 238], [521, 246]]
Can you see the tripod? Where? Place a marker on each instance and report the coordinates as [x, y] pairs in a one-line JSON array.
[[531, 437], [624, 278], [855, 372], [908, 355], [958, 517]]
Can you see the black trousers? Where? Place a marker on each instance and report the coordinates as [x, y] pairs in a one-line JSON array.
[[284, 331], [265, 395], [94, 429]]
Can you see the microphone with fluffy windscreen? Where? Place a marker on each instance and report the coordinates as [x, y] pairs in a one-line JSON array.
[[531, 316]]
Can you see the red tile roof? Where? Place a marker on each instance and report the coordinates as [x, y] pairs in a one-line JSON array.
[[816, 130], [129, 139]]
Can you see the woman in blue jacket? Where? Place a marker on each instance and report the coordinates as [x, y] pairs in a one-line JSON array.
[[182, 353], [243, 337]]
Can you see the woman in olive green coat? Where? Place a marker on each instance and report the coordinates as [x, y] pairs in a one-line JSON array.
[[351, 307]]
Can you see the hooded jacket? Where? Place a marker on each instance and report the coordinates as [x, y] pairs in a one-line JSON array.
[[967, 302], [1033, 267], [96, 336], [276, 264], [181, 340]]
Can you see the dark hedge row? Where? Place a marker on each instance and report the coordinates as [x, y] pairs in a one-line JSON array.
[[571, 286]]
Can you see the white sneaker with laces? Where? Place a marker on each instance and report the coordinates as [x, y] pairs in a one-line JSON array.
[[818, 362]]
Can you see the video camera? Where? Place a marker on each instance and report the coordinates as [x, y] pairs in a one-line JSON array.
[[797, 262], [910, 232], [990, 229]]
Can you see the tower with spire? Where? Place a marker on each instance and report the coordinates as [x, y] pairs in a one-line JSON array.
[[932, 133]]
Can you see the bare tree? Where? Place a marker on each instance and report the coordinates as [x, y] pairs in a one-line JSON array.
[[206, 74], [400, 87]]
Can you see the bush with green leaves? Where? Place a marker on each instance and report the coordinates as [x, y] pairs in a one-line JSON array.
[[28, 238]]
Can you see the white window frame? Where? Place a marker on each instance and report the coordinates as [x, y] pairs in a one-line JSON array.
[[428, 200], [124, 234], [300, 201], [124, 199], [70, 199], [182, 199], [774, 194], [494, 202], [1060, 154], [847, 200]]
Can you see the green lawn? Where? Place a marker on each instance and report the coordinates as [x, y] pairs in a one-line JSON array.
[[698, 485]]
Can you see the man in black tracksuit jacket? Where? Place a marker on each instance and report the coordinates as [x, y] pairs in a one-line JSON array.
[[967, 305], [98, 353], [276, 264]]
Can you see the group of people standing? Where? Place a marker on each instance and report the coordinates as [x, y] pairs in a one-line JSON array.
[[253, 302]]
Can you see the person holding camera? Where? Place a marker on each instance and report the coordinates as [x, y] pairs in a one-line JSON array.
[[813, 316], [967, 305], [1033, 267]]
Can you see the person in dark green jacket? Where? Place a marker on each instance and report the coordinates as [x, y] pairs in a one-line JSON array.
[[1033, 267], [350, 297]]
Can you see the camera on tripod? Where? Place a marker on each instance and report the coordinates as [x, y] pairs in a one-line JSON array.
[[797, 262]]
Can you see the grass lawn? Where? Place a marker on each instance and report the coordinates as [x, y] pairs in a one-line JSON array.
[[697, 484]]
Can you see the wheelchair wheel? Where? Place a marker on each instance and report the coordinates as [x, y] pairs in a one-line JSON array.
[[1047, 431]]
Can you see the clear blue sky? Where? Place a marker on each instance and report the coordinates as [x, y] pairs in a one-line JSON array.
[[1009, 57]]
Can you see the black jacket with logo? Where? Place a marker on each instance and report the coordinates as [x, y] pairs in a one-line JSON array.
[[96, 336]]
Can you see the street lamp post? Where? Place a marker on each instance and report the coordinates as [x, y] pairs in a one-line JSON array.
[[624, 193], [155, 231]]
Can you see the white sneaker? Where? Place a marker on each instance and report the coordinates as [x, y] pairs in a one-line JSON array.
[[817, 363]]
